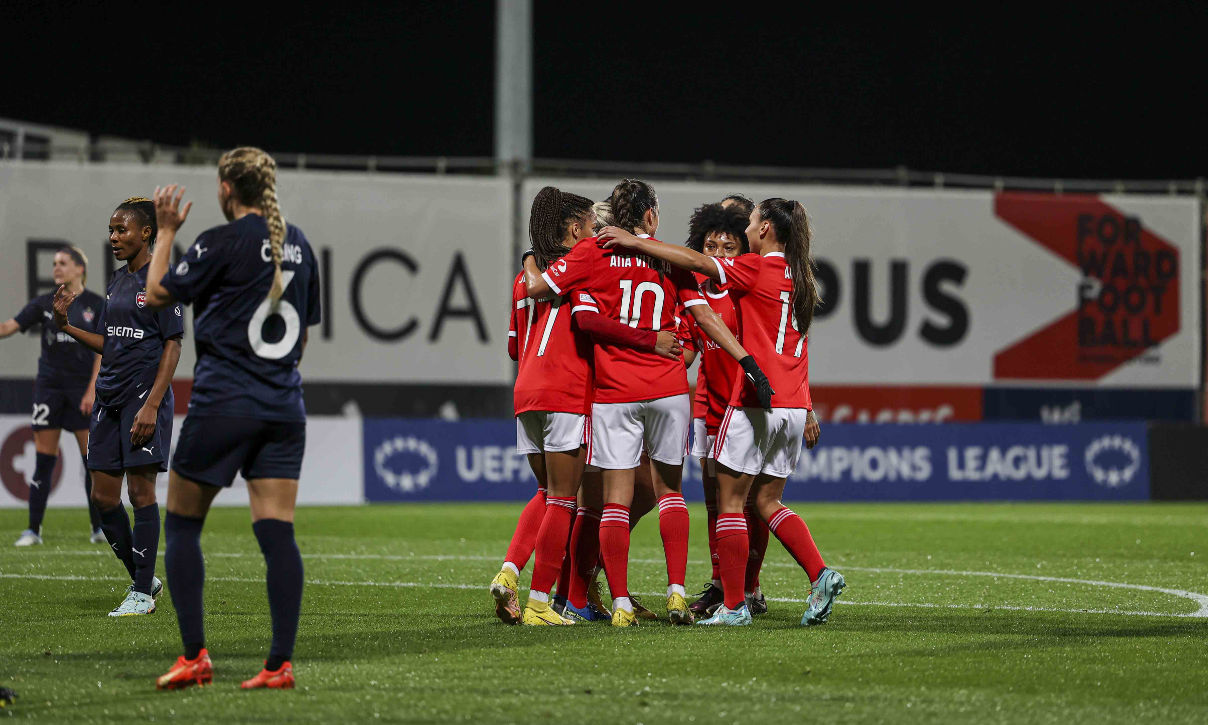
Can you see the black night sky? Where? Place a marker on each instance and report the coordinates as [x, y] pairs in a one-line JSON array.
[[1097, 90]]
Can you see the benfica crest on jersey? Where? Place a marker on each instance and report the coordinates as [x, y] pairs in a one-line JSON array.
[[140, 299], [88, 315]]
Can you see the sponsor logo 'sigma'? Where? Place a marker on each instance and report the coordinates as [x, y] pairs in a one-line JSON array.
[[405, 463], [1113, 460]]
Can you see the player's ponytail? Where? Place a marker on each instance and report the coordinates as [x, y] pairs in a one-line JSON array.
[[145, 208], [252, 174], [792, 227], [553, 211]]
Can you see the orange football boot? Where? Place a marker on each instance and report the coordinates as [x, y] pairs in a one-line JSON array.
[[186, 673], [282, 679]]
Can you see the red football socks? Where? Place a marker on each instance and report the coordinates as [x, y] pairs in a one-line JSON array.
[[711, 512], [614, 548], [584, 553], [525, 537], [795, 535], [551, 542], [673, 525], [732, 553], [758, 532]]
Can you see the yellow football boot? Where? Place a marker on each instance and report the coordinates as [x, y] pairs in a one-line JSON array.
[[677, 610], [540, 614], [507, 604], [621, 618]]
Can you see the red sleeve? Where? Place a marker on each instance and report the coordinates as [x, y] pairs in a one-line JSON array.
[[687, 289], [738, 273], [574, 270], [606, 329], [516, 319]]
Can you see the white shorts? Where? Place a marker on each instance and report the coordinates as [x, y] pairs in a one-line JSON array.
[[753, 440], [702, 442], [540, 431], [618, 431]]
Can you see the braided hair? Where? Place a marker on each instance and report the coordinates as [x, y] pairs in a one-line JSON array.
[[792, 226], [715, 218], [145, 208], [552, 212], [252, 174], [630, 201]]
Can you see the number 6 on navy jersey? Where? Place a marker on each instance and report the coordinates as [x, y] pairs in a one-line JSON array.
[[293, 325]]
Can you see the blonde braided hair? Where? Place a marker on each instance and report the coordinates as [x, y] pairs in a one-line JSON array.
[[252, 174]]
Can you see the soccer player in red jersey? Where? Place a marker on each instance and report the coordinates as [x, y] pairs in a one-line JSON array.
[[640, 398], [756, 449], [553, 391]]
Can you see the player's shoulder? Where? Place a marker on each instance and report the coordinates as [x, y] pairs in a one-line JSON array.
[[89, 297], [45, 301], [295, 235]]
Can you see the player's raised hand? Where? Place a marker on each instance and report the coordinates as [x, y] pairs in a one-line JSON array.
[[62, 303], [667, 346], [610, 237], [169, 215], [812, 430]]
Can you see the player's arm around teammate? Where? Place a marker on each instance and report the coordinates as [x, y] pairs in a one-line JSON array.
[[759, 448], [246, 413], [64, 387]]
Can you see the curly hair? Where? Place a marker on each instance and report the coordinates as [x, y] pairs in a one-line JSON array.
[[715, 218]]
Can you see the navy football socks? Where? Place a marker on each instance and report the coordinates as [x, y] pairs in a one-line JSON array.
[[94, 513], [116, 525], [186, 571], [284, 581], [39, 489], [146, 546]]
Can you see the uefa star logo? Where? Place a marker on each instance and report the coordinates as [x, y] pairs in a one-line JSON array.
[[397, 459], [1113, 460]]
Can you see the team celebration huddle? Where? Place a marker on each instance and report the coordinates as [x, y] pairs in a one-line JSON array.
[[605, 321]]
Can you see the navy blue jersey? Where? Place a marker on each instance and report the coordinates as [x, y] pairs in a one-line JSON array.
[[247, 353], [64, 363], [134, 337]]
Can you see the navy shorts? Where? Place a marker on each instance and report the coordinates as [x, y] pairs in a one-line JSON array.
[[109, 446], [213, 448], [58, 409]]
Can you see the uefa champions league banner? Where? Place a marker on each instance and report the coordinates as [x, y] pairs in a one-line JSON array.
[[331, 466], [416, 270], [939, 305], [426, 460]]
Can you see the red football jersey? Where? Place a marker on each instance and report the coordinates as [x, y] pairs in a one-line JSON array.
[[555, 363], [628, 289], [762, 288], [718, 369]]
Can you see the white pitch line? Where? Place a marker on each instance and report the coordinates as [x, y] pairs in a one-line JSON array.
[[1201, 600], [444, 585]]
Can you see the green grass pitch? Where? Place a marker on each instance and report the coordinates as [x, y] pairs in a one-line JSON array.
[[953, 612]]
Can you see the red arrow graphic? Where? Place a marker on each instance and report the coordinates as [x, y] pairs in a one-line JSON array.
[[1126, 303]]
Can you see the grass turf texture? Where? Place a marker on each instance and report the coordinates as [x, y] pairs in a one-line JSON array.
[[397, 624]]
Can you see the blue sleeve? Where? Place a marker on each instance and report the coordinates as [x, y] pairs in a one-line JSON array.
[[30, 315], [171, 321], [196, 272]]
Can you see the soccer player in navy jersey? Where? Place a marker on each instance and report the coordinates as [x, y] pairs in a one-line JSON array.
[[65, 387], [131, 424], [254, 287]]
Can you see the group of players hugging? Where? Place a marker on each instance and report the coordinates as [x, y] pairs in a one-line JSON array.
[[605, 321], [105, 374]]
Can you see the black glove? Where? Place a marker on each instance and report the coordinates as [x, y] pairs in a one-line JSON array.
[[527, 253], [762, 387]]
